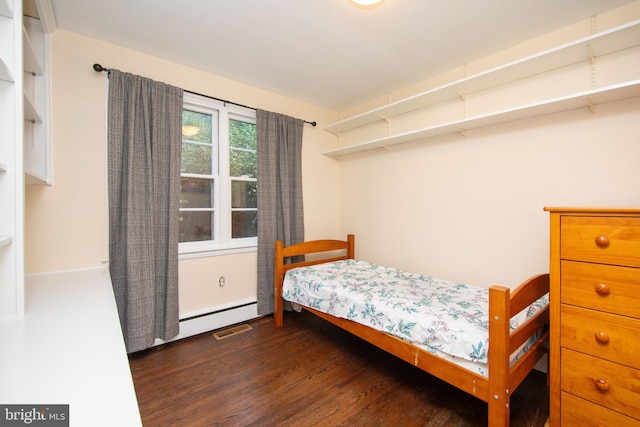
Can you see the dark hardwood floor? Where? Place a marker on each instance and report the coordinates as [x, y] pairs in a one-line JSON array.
[[309, 373]]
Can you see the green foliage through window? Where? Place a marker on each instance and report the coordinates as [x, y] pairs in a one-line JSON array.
[[218, 205]]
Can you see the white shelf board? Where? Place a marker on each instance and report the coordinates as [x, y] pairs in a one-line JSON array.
[[600, 44], [29, 59], [68, 348], [31, 177], [30, 113], [5, 240], [587, 99], [5, 72], [5, 9]]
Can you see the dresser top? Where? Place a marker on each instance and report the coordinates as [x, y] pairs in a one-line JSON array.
[[600, 210]]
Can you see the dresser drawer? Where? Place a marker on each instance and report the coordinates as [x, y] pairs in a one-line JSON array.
[[606, 240], [601, 287], [581, 413], [604, 335], [606, 383]]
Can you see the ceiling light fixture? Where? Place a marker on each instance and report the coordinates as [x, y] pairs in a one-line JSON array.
[[188, 130], [366, 3]]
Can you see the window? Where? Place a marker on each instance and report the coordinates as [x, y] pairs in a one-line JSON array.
[[218, 194]]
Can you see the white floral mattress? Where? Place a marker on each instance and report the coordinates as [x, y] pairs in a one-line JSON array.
[[445, 318]]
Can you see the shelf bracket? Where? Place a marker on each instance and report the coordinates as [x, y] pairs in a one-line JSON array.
[[385, 118], [461, 131], [461, 95], [463, 98], [592, 106], [591, 56]]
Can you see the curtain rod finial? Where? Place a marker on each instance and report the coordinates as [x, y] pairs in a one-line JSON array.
[[99, 68]]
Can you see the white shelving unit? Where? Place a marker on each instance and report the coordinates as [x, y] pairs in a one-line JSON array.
[[11, 162], [7, 73], [588, 99], [585, 49], [37, 162]]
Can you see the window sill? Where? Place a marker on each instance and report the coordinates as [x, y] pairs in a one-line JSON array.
[[206, 253]]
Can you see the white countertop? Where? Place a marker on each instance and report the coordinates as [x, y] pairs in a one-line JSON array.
[[68, 349]]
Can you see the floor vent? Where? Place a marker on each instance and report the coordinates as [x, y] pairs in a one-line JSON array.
[[226, 333]]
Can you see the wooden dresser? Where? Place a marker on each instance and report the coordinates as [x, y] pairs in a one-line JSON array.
[[594, 361]]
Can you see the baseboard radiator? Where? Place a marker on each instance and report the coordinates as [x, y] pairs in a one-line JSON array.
[[207, 321]]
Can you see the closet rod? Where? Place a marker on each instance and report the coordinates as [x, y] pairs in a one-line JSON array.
[[99, 68]]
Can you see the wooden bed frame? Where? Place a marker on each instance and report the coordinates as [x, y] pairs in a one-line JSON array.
[[503, 304]]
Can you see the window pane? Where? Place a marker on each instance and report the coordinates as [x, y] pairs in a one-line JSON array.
[[195, 226], [196, 158], [196, 126], [205, 214], [244, 194], [196, 193], [244, 224], [243, 164], [242, 134]]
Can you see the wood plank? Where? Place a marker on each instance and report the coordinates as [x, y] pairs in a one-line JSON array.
[[309, 372]]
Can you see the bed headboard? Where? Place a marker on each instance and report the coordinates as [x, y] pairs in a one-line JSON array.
[[346, 250]]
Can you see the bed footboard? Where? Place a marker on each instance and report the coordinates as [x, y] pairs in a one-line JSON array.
[[503, 378]]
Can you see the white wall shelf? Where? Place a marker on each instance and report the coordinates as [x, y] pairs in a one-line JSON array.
[[587, 100], [5, 72], [33, 178], [31, 61], [5, 9], [37, 156], [30, 113], [5, 240], [584, 49]]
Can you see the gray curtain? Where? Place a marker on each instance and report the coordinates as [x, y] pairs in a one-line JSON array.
[[144, 139], [280, 207]]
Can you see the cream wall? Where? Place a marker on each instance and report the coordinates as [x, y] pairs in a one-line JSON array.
[[66, 223], [470, 208], [467, 208]]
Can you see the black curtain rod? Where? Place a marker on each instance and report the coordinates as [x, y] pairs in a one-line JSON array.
[[99, 68]]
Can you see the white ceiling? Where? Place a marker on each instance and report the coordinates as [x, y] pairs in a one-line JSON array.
[[325, 52]]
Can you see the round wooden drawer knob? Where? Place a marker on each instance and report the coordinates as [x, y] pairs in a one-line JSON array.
[[602, 385], [602, 241], [603, 289], [602, 337]]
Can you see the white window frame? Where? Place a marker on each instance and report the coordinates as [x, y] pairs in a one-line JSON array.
[[222, 242]]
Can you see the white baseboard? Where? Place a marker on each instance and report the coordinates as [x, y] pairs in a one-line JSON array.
[[208, 322]]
